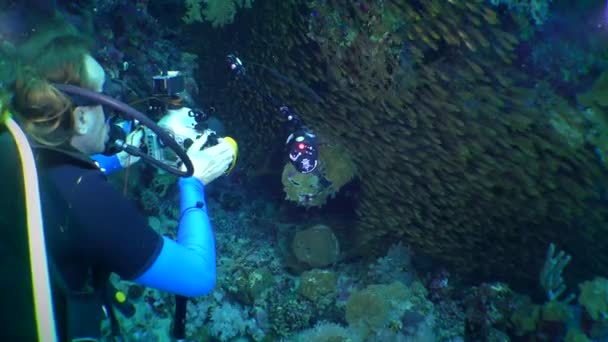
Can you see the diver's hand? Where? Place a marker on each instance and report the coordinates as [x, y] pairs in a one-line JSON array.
[[211, 162], [134, 139]]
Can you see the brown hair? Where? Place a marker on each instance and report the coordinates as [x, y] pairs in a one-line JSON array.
[[43, 112], [54, 55]]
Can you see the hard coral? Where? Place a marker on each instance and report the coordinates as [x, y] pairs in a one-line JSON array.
[[316, 284], [373, 308], [229, 321], [288, 314], [316, 246], [394, 309]]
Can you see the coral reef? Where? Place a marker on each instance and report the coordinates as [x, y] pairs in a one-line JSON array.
[[460, 158], [394, 306], [228, 322], [327, 332], [487, 308], [250, 286], [289, 314], [558, 318], [295, 309], [395, 265], [316, 284], [217, 12], [451, 142]]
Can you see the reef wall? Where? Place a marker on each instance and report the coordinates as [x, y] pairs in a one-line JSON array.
[[453, 143]]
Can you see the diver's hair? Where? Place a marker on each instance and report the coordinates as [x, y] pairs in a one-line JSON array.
[[44, 112], [54, 55]]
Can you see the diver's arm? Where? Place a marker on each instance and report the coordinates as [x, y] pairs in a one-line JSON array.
[[107, 164], [113, 234], [186, 266]]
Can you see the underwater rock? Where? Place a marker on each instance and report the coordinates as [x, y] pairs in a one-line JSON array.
[[316, 246]]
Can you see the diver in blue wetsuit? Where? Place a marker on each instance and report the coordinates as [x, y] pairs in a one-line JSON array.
[[91, 230]]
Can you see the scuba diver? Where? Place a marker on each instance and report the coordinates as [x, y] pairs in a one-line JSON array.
[[90, 229], [183, 124]]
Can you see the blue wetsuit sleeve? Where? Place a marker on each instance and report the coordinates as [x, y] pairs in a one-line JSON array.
[[186, 266], [107, 164]]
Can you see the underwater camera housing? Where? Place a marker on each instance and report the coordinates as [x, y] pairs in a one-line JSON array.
[[183, 126]]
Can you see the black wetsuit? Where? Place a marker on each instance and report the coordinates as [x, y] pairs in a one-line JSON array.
[[91, 230]]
